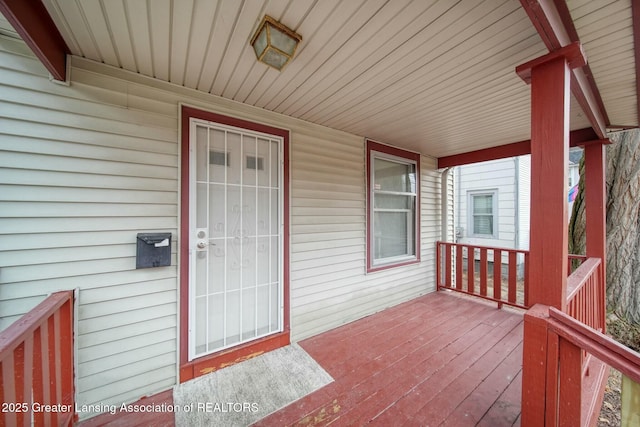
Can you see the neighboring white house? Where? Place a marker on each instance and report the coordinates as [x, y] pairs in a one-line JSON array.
[[492, 203], [493, 200]]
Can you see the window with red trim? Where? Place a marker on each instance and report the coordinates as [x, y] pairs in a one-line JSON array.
[[393, 194]]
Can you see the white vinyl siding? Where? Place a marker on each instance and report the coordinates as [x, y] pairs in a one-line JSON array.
[[524, 202], [493, 177], [85, 168]]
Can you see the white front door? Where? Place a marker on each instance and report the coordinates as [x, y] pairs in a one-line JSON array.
[[235, 239]]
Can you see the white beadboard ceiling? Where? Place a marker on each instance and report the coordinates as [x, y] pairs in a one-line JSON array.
[[432, 76]]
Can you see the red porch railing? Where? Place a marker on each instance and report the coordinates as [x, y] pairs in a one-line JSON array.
[[585, 294], [574, 394], [562, 384], [501, 275], [36, 365], [495, 274]]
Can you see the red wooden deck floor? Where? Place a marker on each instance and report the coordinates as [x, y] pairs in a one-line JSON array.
[[436, 360]]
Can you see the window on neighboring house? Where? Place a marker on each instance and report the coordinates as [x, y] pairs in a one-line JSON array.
[[392, 206], [483, 219]]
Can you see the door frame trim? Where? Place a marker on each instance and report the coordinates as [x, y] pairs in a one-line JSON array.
[[212, 362]]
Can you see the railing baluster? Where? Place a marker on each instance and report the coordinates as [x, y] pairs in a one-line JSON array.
[[459, 261], [66, 355], [438, 265], [449, 262], [36, 363], [471, 264], [51, 366], [513, 276], [483, 271], [570, 383], [497, 275], [9, 388], [39, 374]]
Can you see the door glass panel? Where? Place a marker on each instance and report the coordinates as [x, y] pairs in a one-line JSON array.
[[262, 262], [234, 157], [201, 205], [248, 211], [233, 317], [201, 324], [218, 156], [274, 212], [233, 263], [216, 320], [275, 305], [216, 266], [251, 161], [235, 241], [263, 171], [263, 309], [274, 167], [274, 255], [234, 204], [201, 273], [249, 262], [202, 142], [262, 212], [248, 313], [217, 210]]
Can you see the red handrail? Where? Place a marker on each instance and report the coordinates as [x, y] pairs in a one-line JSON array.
[[36, 365], [603, 347], [586, 294], [454, 261]]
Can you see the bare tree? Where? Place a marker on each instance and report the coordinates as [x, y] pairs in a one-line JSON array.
[[623, 224]]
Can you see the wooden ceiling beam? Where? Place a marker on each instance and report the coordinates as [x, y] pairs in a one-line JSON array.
[[577, 138], [32, 22], [552, 20]]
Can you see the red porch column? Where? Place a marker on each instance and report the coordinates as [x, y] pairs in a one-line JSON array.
[[596, 216], [550, 79], [595, 199]]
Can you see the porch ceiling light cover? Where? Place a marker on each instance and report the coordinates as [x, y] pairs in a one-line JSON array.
[[274, 43]]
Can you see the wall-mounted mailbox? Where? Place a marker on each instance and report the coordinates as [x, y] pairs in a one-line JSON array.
[[153, 250]]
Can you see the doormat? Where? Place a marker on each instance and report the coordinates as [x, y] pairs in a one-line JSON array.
[[242, 394]]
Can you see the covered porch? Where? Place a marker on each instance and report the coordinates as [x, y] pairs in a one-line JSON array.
[[440, 85], [441, 359]]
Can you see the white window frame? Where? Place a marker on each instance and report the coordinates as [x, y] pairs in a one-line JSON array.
[[470, 212], [413, 229]]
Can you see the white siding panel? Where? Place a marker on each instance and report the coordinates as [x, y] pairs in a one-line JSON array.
[[84, 168], [329, 283], [80, 175], [495, 175], [524, 190]]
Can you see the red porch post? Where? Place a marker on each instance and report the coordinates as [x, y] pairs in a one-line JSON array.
[[550, 79], [595, 209]]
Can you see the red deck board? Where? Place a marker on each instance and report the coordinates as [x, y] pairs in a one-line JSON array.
[[481, 399], [452, 362], [438, 359], [407, 373], [410, 357]]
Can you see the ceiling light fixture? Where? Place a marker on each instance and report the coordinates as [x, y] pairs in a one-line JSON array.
[[274, 43]]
